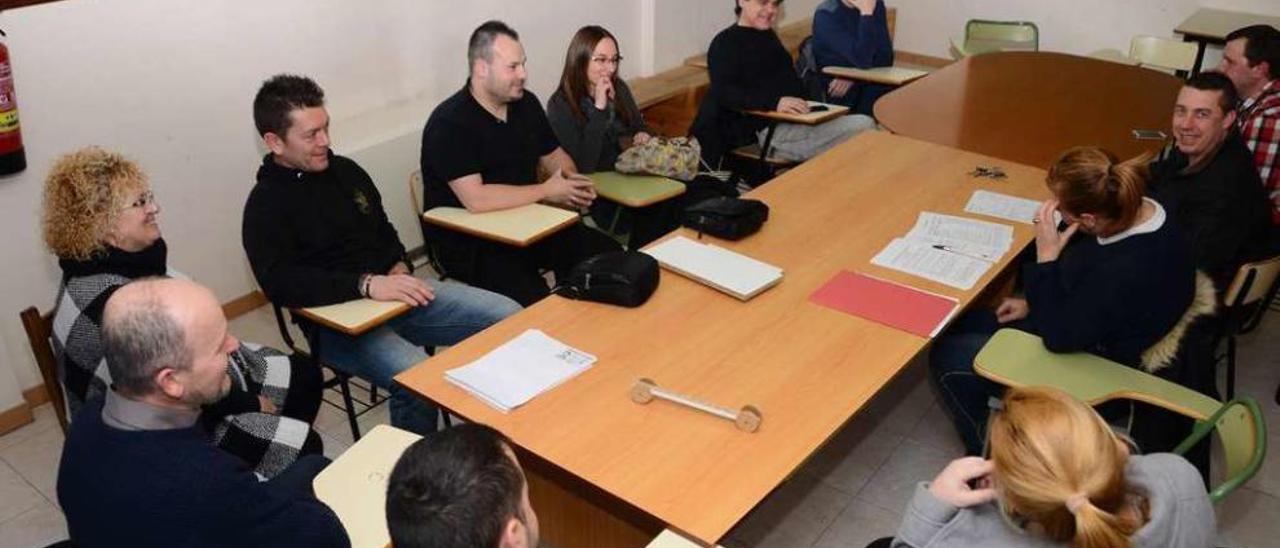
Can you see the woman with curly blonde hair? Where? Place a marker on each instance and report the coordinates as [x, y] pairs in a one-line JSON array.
[[102, 221], [1058, 476]]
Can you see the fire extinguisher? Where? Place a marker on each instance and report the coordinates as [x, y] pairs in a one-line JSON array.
[[12, 158]]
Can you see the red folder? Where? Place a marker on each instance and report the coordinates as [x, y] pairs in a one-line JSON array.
[[884, 302]]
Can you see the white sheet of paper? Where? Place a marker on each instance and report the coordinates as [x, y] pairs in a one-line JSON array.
[[1004, 206], [980, 239], [922, 259], [522, 368]]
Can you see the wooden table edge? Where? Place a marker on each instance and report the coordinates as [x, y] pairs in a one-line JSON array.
[[643, 203], [535, 238], [358, 330], [840, 72], [833, 112]]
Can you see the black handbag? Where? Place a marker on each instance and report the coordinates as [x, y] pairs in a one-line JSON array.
[[728, 218], [624, 278]]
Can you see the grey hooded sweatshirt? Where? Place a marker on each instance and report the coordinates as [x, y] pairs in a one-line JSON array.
[[1181, 514]]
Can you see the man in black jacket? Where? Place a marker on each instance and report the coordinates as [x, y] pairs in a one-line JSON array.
[[137, 470], [1208, 182], [316, 234]]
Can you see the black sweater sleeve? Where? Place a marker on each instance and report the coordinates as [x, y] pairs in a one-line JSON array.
[[1069, 314], [273, 256], [581, 139], [736, 87]]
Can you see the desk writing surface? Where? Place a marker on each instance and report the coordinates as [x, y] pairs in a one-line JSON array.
[[1028, 107], [518, 226], [894, 76], [355, 484], [635, 190], [807, 368], [354, 317], [811, 118], [1215, 25]]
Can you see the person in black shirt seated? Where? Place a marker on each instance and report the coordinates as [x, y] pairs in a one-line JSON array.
[[136, 468], [460, 488], [852, 33], [316, 234], [481, 149], [1209, 183], [751, 70], [1115, 290]]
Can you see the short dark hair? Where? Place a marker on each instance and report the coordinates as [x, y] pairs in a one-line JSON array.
[[454, 489], [280, 95], [480, 46], [737, 10], [140, 340], [1216, 81], [1262, 43]]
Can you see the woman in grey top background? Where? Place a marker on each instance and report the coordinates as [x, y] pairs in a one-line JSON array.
[[595, 118]]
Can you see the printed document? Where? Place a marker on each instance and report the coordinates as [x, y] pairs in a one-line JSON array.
[[514, 373]]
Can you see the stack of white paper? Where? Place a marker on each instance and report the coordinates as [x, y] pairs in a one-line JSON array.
[[512, 374], [727, 271], [1004, 206], [925, 260], [978, 239]]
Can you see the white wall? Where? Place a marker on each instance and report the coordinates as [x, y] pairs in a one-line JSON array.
[[1079, 26]]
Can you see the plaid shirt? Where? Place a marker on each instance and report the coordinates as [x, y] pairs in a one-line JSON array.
[[1260, 128]]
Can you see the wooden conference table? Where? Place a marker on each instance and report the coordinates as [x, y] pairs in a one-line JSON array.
[[1030, 106], [607, 472]]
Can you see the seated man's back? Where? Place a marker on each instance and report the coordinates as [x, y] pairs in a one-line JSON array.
[[174, 488]]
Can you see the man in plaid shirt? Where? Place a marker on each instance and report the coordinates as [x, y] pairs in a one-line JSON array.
[[1251, 59]]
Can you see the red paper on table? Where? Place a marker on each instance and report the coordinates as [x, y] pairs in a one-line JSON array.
[[884, 302]]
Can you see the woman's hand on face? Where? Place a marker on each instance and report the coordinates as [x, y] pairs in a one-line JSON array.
[[1050, 242], [640, 138], [603, 92]]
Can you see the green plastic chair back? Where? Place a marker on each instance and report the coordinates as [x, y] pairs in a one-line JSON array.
[[1017, 358], [982, 36]]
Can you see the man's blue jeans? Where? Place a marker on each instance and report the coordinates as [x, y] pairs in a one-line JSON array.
[[457, 312], [964, 392]]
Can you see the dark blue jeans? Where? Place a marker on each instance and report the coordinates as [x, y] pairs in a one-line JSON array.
[[964, 393]]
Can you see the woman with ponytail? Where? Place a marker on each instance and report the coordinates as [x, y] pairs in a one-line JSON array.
[[1113, 290], [1058, 476]]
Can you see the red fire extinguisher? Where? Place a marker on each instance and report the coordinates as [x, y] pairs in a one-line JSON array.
[[12, 158]]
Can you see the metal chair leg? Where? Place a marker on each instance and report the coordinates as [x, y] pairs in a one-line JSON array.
[[345, 385], [1231, 367]]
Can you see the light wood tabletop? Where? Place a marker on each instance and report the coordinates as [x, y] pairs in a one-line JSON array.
[[826, 113], [807, 368], [519, 226], [635, 190], [1028, 107], [353, 318], [893, 76], [1211, 26], [355, 484]]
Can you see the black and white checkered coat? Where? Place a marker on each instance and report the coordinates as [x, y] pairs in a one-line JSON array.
[[268, 443]]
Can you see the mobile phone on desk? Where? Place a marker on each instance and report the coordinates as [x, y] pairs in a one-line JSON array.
[[818, 108]]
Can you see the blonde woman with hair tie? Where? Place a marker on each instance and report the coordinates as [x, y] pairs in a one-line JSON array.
[[1059, 476]]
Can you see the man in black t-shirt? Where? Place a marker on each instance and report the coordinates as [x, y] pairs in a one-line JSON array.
[[481, 149]]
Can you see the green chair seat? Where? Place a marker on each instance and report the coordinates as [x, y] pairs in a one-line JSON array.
[[1017, 358]]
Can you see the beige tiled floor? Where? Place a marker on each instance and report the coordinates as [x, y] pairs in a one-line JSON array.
[[851, 492]]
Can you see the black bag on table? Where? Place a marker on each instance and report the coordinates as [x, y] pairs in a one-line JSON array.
[[624, 278], [728, 218]]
